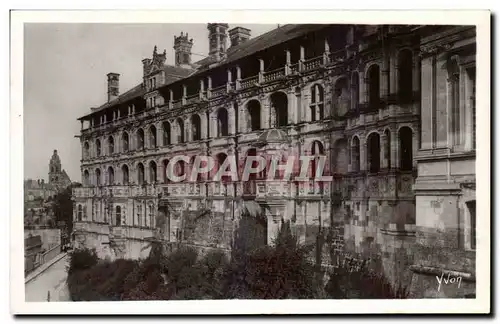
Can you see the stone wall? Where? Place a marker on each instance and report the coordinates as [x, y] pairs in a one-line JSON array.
[[50, 237]]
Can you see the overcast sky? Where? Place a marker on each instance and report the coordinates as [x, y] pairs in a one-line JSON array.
[[65, 67]]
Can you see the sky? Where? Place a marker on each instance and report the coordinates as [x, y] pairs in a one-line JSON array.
[[65, 67]]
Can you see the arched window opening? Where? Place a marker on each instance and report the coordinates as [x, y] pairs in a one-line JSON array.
[[151, 213], [80, 213], [86, 150], [152, 172], [374, 87], [406, 148], [317, 102], [111, 176], [355, 154], [140, 139], [98, 177], [405, 76], [180, 130], [180, 169], [374, 153], [111, 145], [250, 186], [196, 127], [222, 123], [166, 175], [355, 91], [342, 100], [118, 216], [86, 178], [253, 108], [152, 137], [125, 142], [387, 148], [125, 174], [166, 133], [98, 147], [140, 173], [317, 151], [279, 104]]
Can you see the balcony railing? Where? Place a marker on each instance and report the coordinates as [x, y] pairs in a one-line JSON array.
[[219, 91], [177, 103], [249, 82], [338, 56], [313, 63], [294, 68], [274, 74], [192, 99]]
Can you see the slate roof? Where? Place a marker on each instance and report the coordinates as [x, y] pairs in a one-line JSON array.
[[274, 37]]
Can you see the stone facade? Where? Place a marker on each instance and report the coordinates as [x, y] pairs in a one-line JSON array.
[[355, 94]]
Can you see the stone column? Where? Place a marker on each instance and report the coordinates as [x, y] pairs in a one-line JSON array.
[[202, 88], [393, 75], [213, 124], [362, 153], [362, 88], [265, 113], [261, 70], [297, 106], [231, 116], [290, 106], [384, 78], [394, 149], [188, 132], [384, 163]]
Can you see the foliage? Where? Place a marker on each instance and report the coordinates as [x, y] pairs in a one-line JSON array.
[[63, 208], [81, 259]]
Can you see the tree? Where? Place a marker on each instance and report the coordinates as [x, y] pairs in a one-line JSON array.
[[63, 207]]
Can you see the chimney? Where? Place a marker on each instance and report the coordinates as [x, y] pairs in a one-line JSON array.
[[217, 39], [239, 35], [182, 47], [113, 86]]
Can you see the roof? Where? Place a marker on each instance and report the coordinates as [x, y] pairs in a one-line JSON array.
[[173, 73]]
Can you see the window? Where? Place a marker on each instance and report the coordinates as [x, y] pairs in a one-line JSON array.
[[111, 176], [387, 148], [196, 127], [98, 147], [317, 98], [152, 137], [125, 142], [139, 215], [222, 122], [86, 178], [374, 87], [316, 151], [151, 214], [152, 172], [180, 130], [405, 76], [111, 145], [374, 152], [98, 177], [118, 216], [279, 103], [406, 148], [86, 149], [125, 174], [253, 108], [80, 212], [140, 139], [342, 97], [165, 170], [85, 212], [140, 173], [355, 151], [166, 133]]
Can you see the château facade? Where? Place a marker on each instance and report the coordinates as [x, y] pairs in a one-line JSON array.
[[377, 101]]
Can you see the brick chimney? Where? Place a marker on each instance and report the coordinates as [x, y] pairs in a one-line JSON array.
[[113, 86], [182, 47], [239, 35]]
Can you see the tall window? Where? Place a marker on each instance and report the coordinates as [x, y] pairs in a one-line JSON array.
[[86, 178], [140, 139], [125, 174], [317, 98], [140, 173], [111, 145], [118, 215], [139, 214], [125, 142], [166, 133], [151, 214], [342, 97], [279, 103], [196, 127], [253, 108], [374, 87], [80, 213], [405, 75], [86, 150], [111, 176], [406, 148], [180, 130], [165, 171], [374, 152], [222, 122], [152, 172], [97, 177], [355, 151], [98, 147], [387, 148], [152, 137], [316, 151]]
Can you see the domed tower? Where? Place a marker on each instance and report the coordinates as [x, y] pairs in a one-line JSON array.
[[55, 168]]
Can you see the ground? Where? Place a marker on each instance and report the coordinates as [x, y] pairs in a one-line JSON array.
[[52, 280]]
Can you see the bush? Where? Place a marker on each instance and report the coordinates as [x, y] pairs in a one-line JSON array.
[[81, 259]]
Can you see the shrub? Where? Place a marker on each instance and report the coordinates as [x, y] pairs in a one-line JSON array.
[[81, 259]]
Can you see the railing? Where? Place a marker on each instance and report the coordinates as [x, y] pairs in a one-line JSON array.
[[338, 56], [192, 99], [294, 68], [219, 91], [33, 261], [249, 82], [313, 63], [274, 74], [177, 103]]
